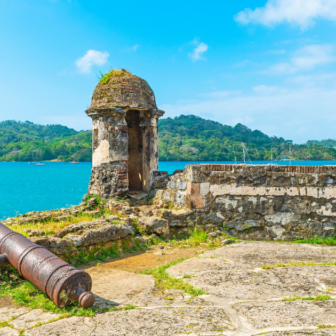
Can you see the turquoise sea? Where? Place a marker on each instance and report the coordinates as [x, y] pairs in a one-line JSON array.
[[25, 187]]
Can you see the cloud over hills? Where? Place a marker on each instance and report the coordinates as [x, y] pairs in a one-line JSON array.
[[299, 12]]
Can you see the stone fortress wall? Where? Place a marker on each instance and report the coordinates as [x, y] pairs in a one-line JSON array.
[[259, 202]]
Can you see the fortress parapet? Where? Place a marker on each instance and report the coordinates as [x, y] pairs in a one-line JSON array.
[[262, 202]]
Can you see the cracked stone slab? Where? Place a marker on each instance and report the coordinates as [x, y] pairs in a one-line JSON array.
[[195, 266], [248, 285], [321, 332], [257, 254], [163, 321], [223, 310], [7, 313], [266, 284], [32, 318], [287, 313], [6, 331], [177, 298], [72, 326], [113, 287], [325, 276]]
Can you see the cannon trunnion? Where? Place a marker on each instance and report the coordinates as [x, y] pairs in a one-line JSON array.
[[60, 281]]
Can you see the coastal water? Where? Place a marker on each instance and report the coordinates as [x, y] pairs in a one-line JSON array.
[[25, 187]]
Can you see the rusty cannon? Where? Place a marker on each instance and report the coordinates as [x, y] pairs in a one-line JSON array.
[[60, 281]]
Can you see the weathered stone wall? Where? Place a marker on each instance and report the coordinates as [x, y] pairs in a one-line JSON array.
[[88, 238], [260, 201], [125, 152]]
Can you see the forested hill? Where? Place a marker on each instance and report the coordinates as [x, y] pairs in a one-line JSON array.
[[193, 138], [20, 141], [326, 143], [180, 139]]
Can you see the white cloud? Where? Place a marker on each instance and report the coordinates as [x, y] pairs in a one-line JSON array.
[[268, 90], [134, 48], [295, 114], [199, 50], [315, 80], [277, 52], [305, 58], [220, 94], [242, 64], [91, 58], [299, 12]]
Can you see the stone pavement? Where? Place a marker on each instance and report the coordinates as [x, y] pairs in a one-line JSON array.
[[241, 297]]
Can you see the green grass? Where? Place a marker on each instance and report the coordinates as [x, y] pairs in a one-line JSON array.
[[319, 297], [318, 241], [105, 77], [26, 294], [105, 254], [193, 238], [6, 323], [30, 296], [197, 237], [324, 326], [164, 281], [50, 226], [299, 264], [9, 275]]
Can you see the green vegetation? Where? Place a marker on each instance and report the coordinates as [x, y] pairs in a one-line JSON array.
[[191, 138], [105, 77], [51, 226], [23, 141], [28, 295], [192, 238], [325, 326], [319, 297], [23, 293], [300, 264], [318, 241], [326, 143], [165, 281], [105, 254], [6, 323], [184, 138]]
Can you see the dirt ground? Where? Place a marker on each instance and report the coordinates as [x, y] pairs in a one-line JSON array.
[[242, 297], [153, 257], [6, 302]]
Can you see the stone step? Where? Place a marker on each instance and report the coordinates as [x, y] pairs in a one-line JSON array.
[[137, 195]]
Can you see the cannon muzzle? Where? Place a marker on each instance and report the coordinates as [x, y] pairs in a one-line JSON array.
[[60, 281]]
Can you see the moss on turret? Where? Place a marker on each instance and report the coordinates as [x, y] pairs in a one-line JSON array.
[[104, 78], [120, 88]]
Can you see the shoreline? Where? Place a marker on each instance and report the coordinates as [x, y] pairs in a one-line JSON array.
[[233, 162]]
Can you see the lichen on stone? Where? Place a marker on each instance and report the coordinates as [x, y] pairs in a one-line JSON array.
[[121, 89]]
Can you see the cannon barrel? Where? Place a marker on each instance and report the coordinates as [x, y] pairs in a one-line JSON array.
[[60, 281]]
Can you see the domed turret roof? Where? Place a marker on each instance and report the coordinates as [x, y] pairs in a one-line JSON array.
[[121, 89]]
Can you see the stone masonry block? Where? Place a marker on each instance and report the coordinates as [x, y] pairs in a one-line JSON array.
[[181, 185], [197, 201], [204, 188], [193, 188]]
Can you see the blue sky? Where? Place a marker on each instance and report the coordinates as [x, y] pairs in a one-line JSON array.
[[268, 64]]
